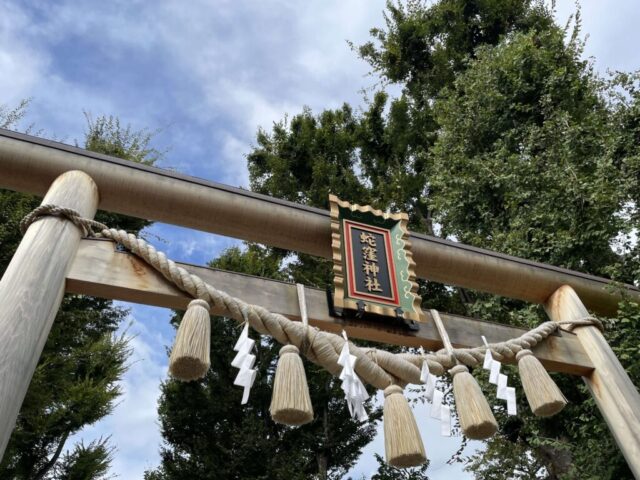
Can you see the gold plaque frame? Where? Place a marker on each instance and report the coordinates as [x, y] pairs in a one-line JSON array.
[[340, 300]]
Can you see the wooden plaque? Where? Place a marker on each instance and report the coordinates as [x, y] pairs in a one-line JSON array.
[[372, 262]]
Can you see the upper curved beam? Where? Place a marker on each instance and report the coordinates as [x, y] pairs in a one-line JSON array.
[[29, 164]]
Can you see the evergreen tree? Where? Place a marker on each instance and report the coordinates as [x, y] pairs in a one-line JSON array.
[[76, 380]]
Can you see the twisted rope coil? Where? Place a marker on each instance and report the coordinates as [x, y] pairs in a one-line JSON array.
[[376, 367], [85, 224]]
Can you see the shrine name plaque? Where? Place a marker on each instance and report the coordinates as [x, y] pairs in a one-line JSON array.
[[372, 262]]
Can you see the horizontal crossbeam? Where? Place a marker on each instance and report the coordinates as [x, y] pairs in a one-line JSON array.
[[100, 270], [29, 164]]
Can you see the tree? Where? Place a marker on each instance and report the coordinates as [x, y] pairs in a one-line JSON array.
[[524, 136], [506, 139], [382, 157], [76, 380], [424, 46], [10, 117], [523, 165], [209, 435]]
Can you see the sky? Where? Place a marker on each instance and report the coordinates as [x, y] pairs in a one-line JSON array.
[[207, 75]]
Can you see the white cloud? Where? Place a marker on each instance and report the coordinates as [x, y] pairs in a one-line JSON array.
[[234, 152], [231, 67], [611, 29], [21, 65]]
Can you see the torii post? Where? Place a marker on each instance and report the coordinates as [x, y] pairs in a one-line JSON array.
[[52, 259]]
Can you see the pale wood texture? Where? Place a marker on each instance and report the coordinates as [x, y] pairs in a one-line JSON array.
[[31, 291], [444, 336], [28, 164], [616, 397], [102, 271]]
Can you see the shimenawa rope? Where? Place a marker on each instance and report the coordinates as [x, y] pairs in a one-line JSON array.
[[320, 347]]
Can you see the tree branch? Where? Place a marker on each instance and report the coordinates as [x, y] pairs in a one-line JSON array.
[[47, 466]]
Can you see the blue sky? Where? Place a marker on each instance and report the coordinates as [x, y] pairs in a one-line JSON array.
[[208, 74]]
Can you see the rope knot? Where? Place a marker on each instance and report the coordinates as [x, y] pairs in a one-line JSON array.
[[289, 349], [523, 353], [86, 225], [458, 369], [391, 389]]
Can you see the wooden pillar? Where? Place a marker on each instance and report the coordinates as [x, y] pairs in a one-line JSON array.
[[31, 291], [614, 393]]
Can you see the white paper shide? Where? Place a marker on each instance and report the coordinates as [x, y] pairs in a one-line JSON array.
[[244, 360], [504, 392], [352, 386], [435, 396]]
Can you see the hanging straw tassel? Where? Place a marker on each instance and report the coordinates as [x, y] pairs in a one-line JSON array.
[[189, 358], [476, 419], [402, 443], [543, 395], [290, 402]]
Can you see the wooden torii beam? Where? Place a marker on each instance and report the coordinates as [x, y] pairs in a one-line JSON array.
[[44, 259], [100, 270], [30, 165]]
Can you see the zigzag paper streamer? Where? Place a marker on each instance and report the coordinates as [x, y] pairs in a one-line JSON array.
[[245, 361], [352, 386]]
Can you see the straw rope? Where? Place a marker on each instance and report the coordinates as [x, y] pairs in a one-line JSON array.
[[376, 367]]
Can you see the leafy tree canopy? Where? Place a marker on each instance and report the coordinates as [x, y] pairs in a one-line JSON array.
[[505, 138]]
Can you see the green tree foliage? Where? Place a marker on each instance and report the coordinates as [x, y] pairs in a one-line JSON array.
[[525, 163], [76, 380], [524, 136], [503, 137], [209, 435], [424, 46], [108, 136], [382, 156], [86, 461], [305, 159]]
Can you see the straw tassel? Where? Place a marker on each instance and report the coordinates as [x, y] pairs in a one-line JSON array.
[[189, 358], [290, 402], [402, 443], [543, 395], [476, 419]]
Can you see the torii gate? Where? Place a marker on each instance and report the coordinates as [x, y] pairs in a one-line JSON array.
[[52, 259]]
